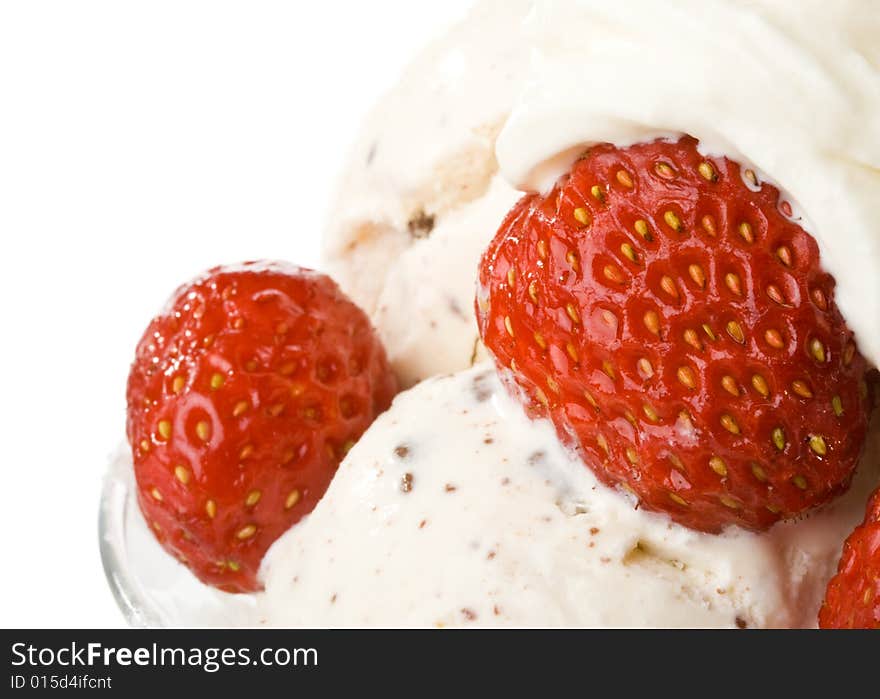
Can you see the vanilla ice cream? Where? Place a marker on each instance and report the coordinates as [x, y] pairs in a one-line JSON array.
[[792, 88], [421, 196], [454, 509]]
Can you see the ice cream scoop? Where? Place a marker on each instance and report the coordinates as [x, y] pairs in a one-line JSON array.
[[456, 509]]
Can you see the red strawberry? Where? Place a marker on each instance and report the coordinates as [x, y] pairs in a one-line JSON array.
[[245, 394], [852, 600], [670, 316]]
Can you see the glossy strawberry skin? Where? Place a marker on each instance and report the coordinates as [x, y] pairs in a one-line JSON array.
[[245, 394], [852, 600], [669, 314]]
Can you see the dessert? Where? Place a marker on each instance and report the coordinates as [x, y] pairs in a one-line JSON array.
[[475, 499]]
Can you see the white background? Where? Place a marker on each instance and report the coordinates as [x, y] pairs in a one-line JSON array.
[[141, 142]]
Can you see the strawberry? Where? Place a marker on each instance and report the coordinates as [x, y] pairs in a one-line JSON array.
[[852, 600], [244, 395], [666, 310]]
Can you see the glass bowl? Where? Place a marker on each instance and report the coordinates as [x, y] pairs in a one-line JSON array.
[[150, 587]]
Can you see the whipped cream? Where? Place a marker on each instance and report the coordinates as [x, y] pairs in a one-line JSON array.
[[455, 509], [792, 88]]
